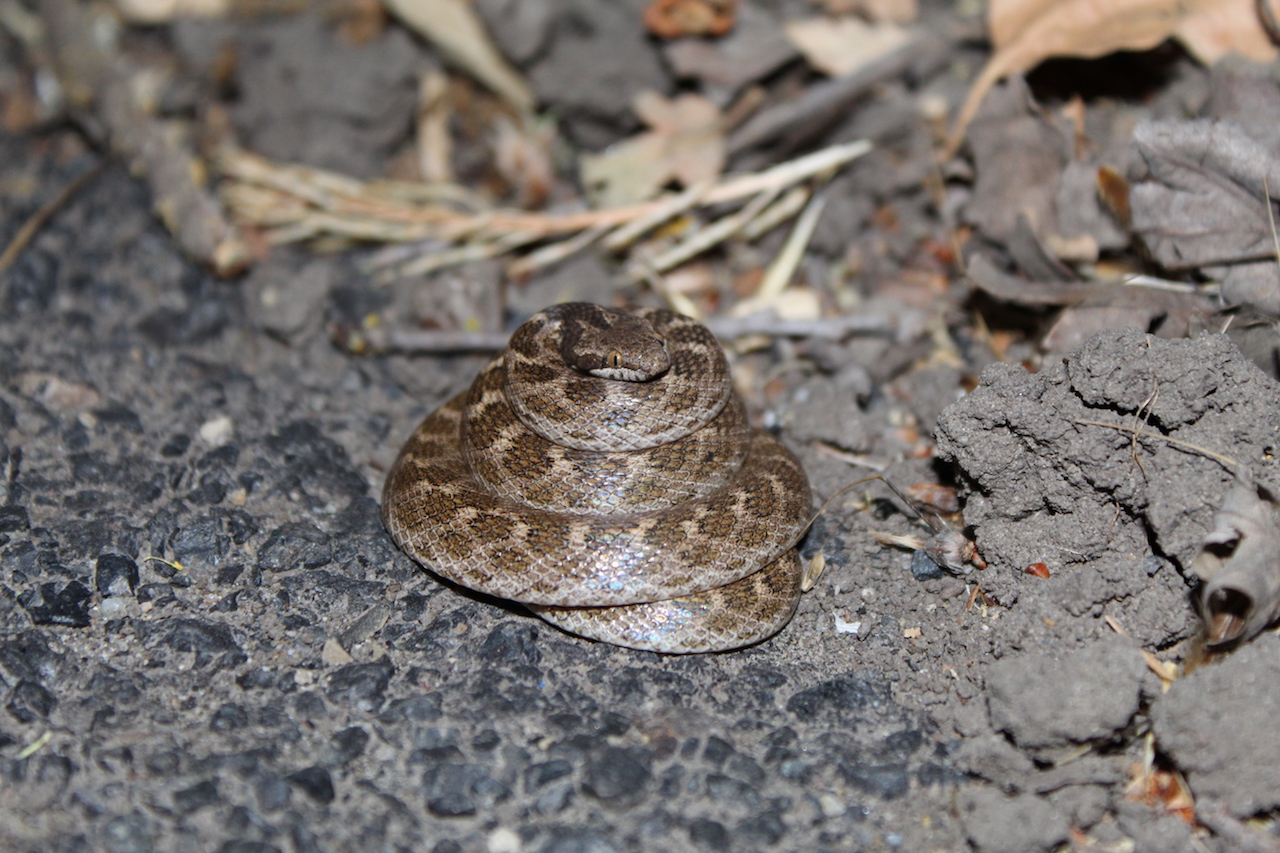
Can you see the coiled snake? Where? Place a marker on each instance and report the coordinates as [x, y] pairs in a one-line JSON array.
[[601, 471]]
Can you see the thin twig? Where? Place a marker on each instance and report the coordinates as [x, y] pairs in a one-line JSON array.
[[673, 207], [791, 203], [556, 252], [825, 102], [1142, 418], [38, 219], [714, 234], [858, 460], [464, 254], [1225, 461], [825, 328], [1150, 282]]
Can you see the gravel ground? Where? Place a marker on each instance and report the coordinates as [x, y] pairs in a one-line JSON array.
[[207, 624]]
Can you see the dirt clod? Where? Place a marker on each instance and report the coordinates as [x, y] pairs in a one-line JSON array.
[[1047, 699]]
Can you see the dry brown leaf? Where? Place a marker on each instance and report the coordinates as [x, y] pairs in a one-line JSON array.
[[1211, 30], [455, 28], [522, 155], [1026, 32], [1168, 314], [434, 144], [671, 19], [898, 11], [1210, 205], [686, 144], [159, 11], [1241, 594], [843, 45]]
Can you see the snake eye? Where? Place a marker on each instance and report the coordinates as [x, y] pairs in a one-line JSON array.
[[615, 359]]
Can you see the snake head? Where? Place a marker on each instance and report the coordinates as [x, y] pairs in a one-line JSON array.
[[614, 345]]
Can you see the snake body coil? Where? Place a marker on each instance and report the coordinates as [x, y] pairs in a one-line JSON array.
[[602, 472]]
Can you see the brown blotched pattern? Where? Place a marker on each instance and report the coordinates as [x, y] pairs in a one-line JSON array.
[[677, 544]]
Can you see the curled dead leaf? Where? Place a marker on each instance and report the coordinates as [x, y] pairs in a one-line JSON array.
[[934, 496], [841, 46], [670, 19], [1027, 32], [1162, 789], [455, 28], [1210, 205], [1241, 595], [1113, 189], [151, 12], [686, 144]]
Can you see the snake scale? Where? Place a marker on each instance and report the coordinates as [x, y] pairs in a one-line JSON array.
[[601, 471]]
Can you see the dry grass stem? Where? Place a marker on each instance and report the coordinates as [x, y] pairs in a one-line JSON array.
[[292, 203], [33, 225], [712, 235], [791, 203], [677, 205], [783, 268]]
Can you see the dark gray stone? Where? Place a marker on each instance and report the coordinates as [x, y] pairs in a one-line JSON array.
[[201, 543], [13, 519], [618, 773], [298, 544], [716, 751], [512, 644], [51, 605], [839, 698], [272, 792], [229, 717], [195, 635], [457, 789], [29, 701], [543, 773], [708, 834], [578, 840], [315, 782], [198, 796], [115, 574], [360, 683], [128, 833], [345, 746], [422, 709]]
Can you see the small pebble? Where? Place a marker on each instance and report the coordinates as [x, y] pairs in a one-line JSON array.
[[831, 805], [843, 627], [334, 654], [503, 840], [113, 607], [218, 431]]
